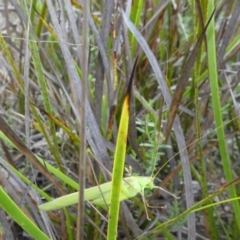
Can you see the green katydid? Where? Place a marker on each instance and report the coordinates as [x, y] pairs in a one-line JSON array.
[[100, 195], [129, 187]]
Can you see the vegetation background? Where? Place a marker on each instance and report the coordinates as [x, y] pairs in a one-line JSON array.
[[64, 73]]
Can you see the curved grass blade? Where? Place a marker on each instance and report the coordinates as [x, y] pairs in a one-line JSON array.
[[18, 216]]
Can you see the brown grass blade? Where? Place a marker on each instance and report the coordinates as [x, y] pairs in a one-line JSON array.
[[183, 81]]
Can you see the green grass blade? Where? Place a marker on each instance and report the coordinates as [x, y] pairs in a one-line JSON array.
[[212, 230], [11, 62], [18, 216], [69, 225], [216, 204], [135, 17], [46, 101], [234, 44], [119, 160], [213, 77]]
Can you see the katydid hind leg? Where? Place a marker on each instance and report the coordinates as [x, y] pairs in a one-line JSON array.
[[145, 207]]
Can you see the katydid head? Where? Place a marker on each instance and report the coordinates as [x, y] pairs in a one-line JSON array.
[[148, 182]]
